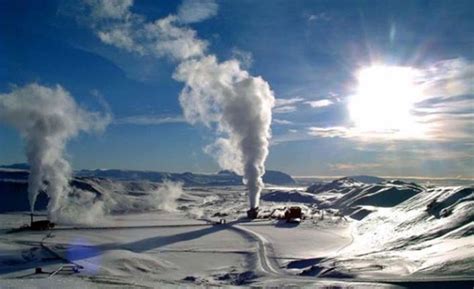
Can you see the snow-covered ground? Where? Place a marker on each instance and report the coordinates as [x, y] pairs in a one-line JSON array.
[[355, 235]]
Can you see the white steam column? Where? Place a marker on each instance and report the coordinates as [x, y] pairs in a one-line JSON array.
[[46, 119], [241, 107]]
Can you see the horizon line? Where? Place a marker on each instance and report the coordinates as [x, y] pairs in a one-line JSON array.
[[5, 166], [390, 177]]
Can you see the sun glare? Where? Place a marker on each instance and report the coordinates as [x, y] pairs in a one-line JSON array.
[[384, 99]]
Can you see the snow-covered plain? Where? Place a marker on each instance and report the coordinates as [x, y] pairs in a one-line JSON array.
[[355, 235]]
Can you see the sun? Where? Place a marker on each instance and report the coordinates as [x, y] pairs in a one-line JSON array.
[[384, 99]]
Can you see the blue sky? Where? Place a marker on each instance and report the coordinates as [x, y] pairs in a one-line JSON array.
[[310, 52]]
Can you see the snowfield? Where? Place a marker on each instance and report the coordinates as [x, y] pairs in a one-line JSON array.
[[355, 234]]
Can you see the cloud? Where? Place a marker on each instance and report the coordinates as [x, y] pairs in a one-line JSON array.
[[164, 38], [440, 153], [286, 105], [114, 9], [191, 11], [102, 102], [320, 103], [443, 111], [291, 135], [287, 101], [351, 132], [150, 120], [317, 17], [284, 109], [354, 167], [445, 107], [447, 78], [335, 131], [120, 37], [123, 29], [282, 121], [244, 57]]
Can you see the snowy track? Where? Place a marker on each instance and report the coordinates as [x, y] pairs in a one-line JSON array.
[[268, 265]]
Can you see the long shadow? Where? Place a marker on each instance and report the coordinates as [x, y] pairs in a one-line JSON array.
[[159, 241], [277, 224], [285, 224], [75, 253], [129, 227]]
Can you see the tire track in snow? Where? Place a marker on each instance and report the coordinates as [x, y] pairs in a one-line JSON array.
[[268, 265]]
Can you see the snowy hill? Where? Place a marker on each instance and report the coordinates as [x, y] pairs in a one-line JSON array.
[[350, 196], [367, 179], [399, 228], [428, 234], [293, 196]]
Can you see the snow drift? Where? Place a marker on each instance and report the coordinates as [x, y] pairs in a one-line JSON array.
[[401, 229], [349, 195], [430, 233]]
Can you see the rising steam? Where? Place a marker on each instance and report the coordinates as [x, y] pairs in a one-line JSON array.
[[47, 117], [240, 105], [219, 93]]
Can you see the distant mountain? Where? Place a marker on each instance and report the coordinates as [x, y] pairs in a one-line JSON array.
[[14, 190], [290, 196], [367, 179], [14, 183], [19, 166], [277, 178], [222, 178], [342, 185]]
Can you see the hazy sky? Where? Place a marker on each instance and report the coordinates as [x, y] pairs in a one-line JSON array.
[[362, 87]]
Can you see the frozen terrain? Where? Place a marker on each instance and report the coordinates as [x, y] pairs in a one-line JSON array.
[[357, 233]]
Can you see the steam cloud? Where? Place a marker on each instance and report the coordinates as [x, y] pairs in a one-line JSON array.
[[240, 105], [215, 93], [166, 196], [47, 117], [116, 198]]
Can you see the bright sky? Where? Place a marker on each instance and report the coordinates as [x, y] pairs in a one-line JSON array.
[[362, 87]]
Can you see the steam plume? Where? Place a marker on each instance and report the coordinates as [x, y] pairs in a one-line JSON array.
[[218, 94], [165, 198], [47, 117], [240, 105]]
